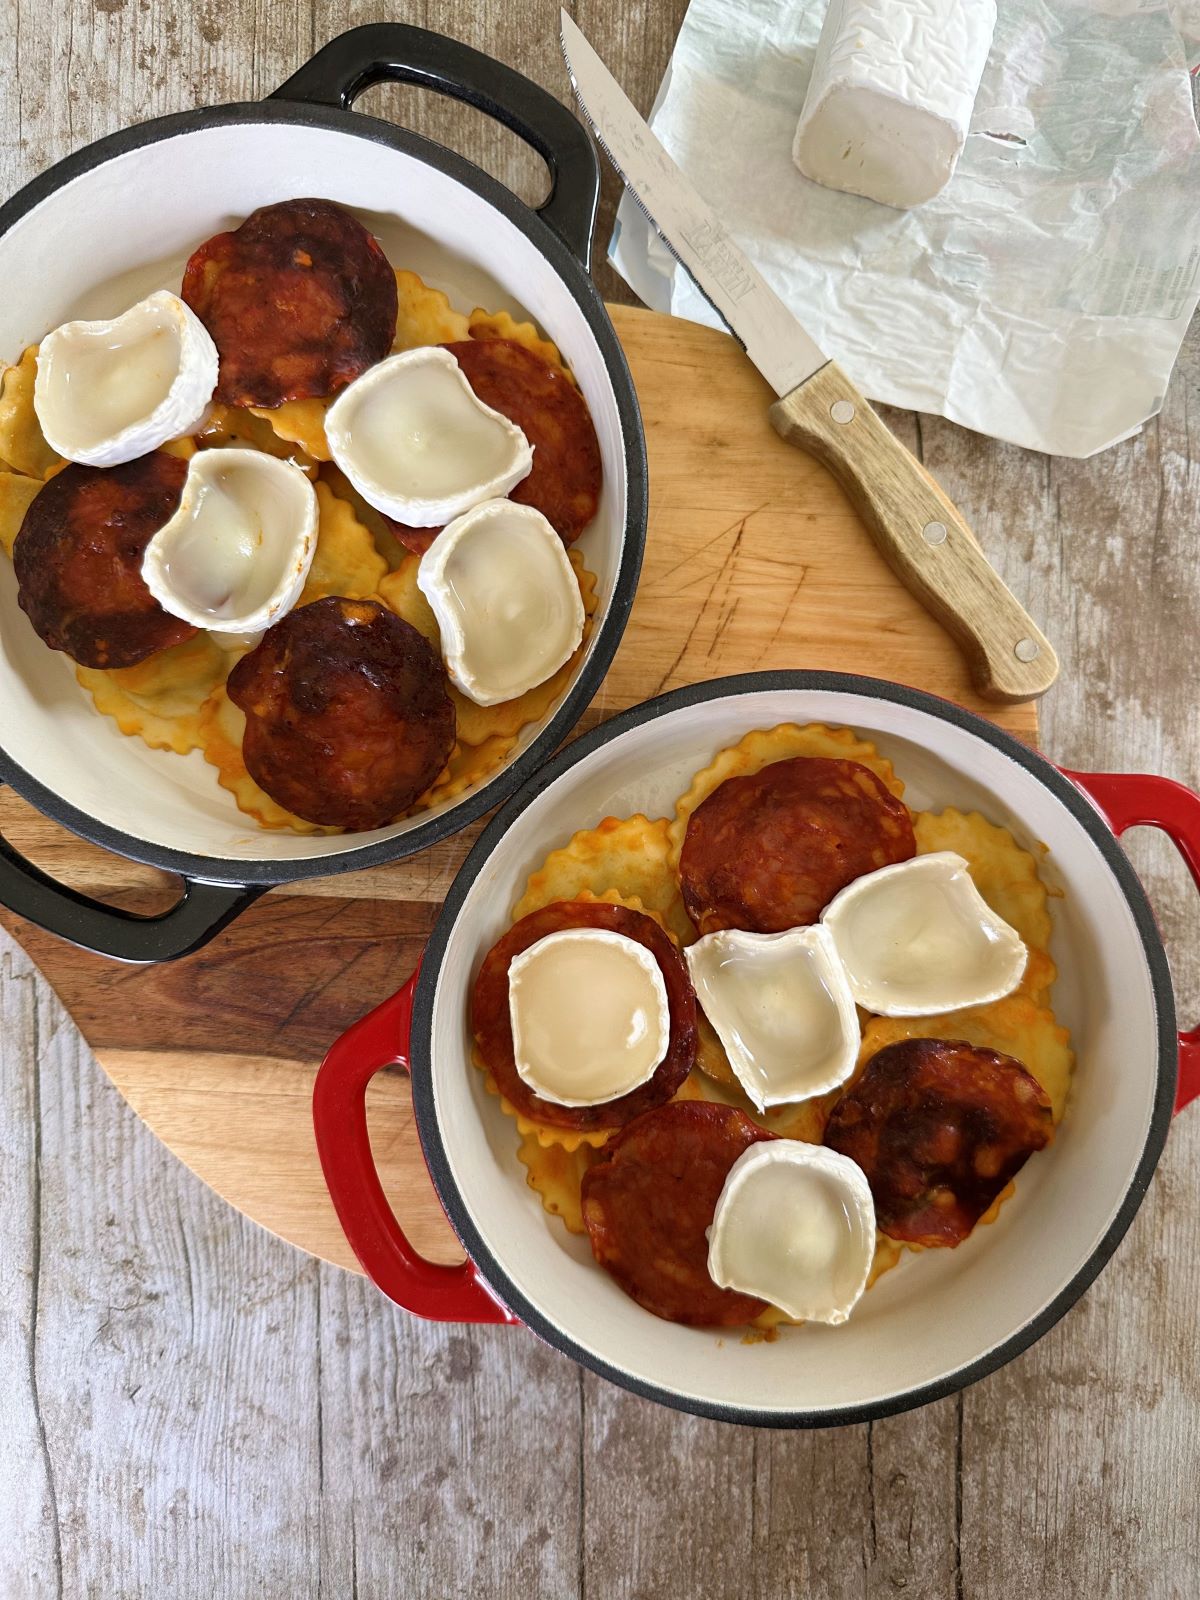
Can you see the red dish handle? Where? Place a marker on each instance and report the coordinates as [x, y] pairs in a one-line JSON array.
[[1137, 799], [442, 1293]]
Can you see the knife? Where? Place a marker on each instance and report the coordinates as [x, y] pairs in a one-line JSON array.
[[915, 525]]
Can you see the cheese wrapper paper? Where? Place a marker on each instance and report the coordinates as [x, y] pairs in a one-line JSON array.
[[1042, 297]]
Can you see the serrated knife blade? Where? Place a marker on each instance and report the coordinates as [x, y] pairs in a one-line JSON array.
[[770, 334]]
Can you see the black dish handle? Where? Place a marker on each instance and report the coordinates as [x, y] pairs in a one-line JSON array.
[[202, 911], [394, 52]]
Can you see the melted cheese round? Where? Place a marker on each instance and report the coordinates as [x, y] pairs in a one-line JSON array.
[[781, 1007], [589, 1013], [107, 392], [419, 445], [917, 939], [794, 1225], [506, 600], [234, 557]]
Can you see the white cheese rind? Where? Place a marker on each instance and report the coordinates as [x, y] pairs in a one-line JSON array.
[[890, 99], [917, 939], [109, 391], [782, 1008], [629, 1030], [234, 556], [419, 444], [794, 1225], [506, 599]]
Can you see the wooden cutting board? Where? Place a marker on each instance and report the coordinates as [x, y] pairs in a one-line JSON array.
[[754, 559]]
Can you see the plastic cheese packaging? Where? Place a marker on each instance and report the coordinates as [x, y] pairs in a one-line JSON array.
[[891, 94]]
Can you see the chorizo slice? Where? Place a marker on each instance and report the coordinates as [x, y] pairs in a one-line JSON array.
[[564, 484], [650, 1199], [348, 714], [769, 851], [939, 1127], [300, 300], [78, 560], [493, 1028]]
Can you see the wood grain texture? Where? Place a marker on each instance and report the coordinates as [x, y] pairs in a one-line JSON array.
[[189, 1408], [920, 533]]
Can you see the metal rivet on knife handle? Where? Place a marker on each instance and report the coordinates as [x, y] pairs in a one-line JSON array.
[[842, 411], [921, 535]]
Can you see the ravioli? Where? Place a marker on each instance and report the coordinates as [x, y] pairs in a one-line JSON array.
[[633, 861], [175, 700]]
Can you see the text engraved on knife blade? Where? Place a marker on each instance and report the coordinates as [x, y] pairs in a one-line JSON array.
[[724, 262], [708, 242]]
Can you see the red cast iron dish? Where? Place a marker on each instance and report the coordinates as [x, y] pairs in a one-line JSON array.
[[966, 759]]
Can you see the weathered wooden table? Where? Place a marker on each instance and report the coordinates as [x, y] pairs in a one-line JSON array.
[[190, 1409]]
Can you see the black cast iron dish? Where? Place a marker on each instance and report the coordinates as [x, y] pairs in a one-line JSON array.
[[544, 256], [941, 1320]]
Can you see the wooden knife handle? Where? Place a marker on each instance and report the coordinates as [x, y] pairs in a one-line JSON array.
[[924, 539]]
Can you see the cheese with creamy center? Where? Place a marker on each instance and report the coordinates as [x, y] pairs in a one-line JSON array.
[[506, 600], [419, 445], [918, 938], [234, 556], [590, 1017], [781, 1007], [795, 1226], [109, 391]]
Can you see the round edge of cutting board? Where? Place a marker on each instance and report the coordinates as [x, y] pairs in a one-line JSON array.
[[295, 1205]]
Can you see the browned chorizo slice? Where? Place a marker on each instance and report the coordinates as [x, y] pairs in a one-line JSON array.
[[300, 300], [769, 851], [78, 560], [493, 1028], [649, 1200], [564, 484], [939, 1127], [348, 715]]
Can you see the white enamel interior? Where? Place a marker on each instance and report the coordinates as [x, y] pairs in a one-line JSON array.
[[936, 1312], [112, 235]]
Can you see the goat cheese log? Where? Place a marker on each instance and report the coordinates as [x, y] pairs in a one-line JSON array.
[[891, 94]]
